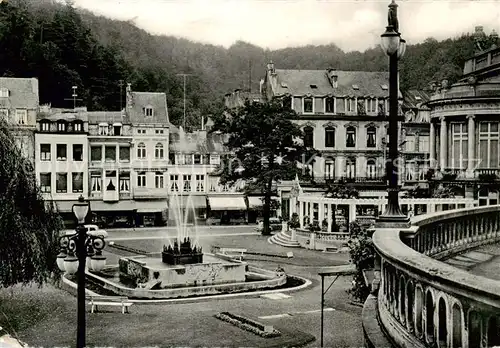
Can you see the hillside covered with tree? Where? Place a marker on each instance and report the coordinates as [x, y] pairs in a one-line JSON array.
[[64, 46]]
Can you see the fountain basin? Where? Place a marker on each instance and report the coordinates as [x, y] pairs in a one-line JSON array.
[[152, 273]]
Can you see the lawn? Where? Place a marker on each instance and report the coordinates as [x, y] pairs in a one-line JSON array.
[[46, 317]]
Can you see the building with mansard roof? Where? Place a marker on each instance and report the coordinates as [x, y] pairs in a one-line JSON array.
[[343, 115]]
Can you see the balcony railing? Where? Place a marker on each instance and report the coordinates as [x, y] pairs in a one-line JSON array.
[[424, 302], [146, 193], [345, 179]]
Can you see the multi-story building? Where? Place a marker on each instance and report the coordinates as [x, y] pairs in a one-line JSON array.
[[464, 130], [128, 161], [61, 153], [19, 103], [343, 116], [415, 140], [193, 184], [148, 116], [110, 190]]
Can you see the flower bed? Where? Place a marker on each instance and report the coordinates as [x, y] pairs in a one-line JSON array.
[[247, 324]]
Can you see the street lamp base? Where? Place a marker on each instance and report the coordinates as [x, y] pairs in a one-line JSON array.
[[392, 221]]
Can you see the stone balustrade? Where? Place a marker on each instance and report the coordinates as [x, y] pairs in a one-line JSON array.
[[424, 302]]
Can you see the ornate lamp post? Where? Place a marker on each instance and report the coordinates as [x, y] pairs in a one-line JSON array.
[[395, 47], [75, 249]]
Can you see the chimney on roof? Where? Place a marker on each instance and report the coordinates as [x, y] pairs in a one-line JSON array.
[[261, 85], [34, 85], [494, 39], [129, 96], [333, 76], [270, 67]]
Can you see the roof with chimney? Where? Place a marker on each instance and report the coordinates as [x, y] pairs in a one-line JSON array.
[[138, 102], [22, 93], [332, 82]]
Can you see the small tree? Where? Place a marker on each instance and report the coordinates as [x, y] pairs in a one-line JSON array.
[[314, 227], [29, 229], [362, 253], [294, 221], [267, 147]]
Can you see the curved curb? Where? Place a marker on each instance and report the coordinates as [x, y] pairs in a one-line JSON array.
[[72, 287], [307, 283]]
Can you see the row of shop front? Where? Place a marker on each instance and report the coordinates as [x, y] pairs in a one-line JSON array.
[[216, 209]]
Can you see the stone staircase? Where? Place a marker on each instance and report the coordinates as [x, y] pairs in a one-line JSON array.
[[284, 239]]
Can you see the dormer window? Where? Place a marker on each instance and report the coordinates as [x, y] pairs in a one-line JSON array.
[[384, 87], [350, 105], [148, 111], [418, 97], [284, 85], [330, 105], [4, 93], [371, 105], [355, 87], [77, 126], [313, 86], [103, 129], [61, 126], [308, 105], [45, 126], [117, 129]]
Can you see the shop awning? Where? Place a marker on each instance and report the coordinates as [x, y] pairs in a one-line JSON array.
[[195, 201], [256, 202], [125, 205], [227, 203]]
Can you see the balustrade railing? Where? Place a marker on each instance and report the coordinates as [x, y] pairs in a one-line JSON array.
[[424, 302]]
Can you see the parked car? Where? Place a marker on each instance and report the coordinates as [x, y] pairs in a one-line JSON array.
[[275, 224], [92, 229]]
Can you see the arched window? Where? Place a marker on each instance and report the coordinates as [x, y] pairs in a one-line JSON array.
[[45, 125], [351, 137], [371, 169], [371, 140], [159, 151], [329, 168], [442, 322], [429, 310], [308, 136], [329, 137], [141, 150]]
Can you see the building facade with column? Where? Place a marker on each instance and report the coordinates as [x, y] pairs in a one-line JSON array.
[[343, 115], [19, 105], [464, 130]]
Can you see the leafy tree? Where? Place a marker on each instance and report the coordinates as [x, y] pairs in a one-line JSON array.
[[294, 221], [267, 148], [29, 229], [362, 253]]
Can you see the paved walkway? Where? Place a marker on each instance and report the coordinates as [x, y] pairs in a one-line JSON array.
[[483, 261], [192, 324]]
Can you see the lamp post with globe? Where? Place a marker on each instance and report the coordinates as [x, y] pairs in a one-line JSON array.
[[394, 46], [79, 249]]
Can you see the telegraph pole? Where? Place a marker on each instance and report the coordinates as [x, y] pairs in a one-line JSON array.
[[74, 97], [121, 94], [184, 80]]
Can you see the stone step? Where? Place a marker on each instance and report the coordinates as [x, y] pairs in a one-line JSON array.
[[279, 239]]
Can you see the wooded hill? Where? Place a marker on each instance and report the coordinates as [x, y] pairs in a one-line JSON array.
[[64, 46]]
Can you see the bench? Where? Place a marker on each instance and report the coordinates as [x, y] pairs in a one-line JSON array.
[[109, 301], [233, 252]]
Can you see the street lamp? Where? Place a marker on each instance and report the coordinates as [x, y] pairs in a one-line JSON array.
[[394, 46], [75, 249]]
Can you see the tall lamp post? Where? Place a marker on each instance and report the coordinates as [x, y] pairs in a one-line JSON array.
[[75, 249], [395, 47]]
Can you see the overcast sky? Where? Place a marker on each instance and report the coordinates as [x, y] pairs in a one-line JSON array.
[[350, 24]]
